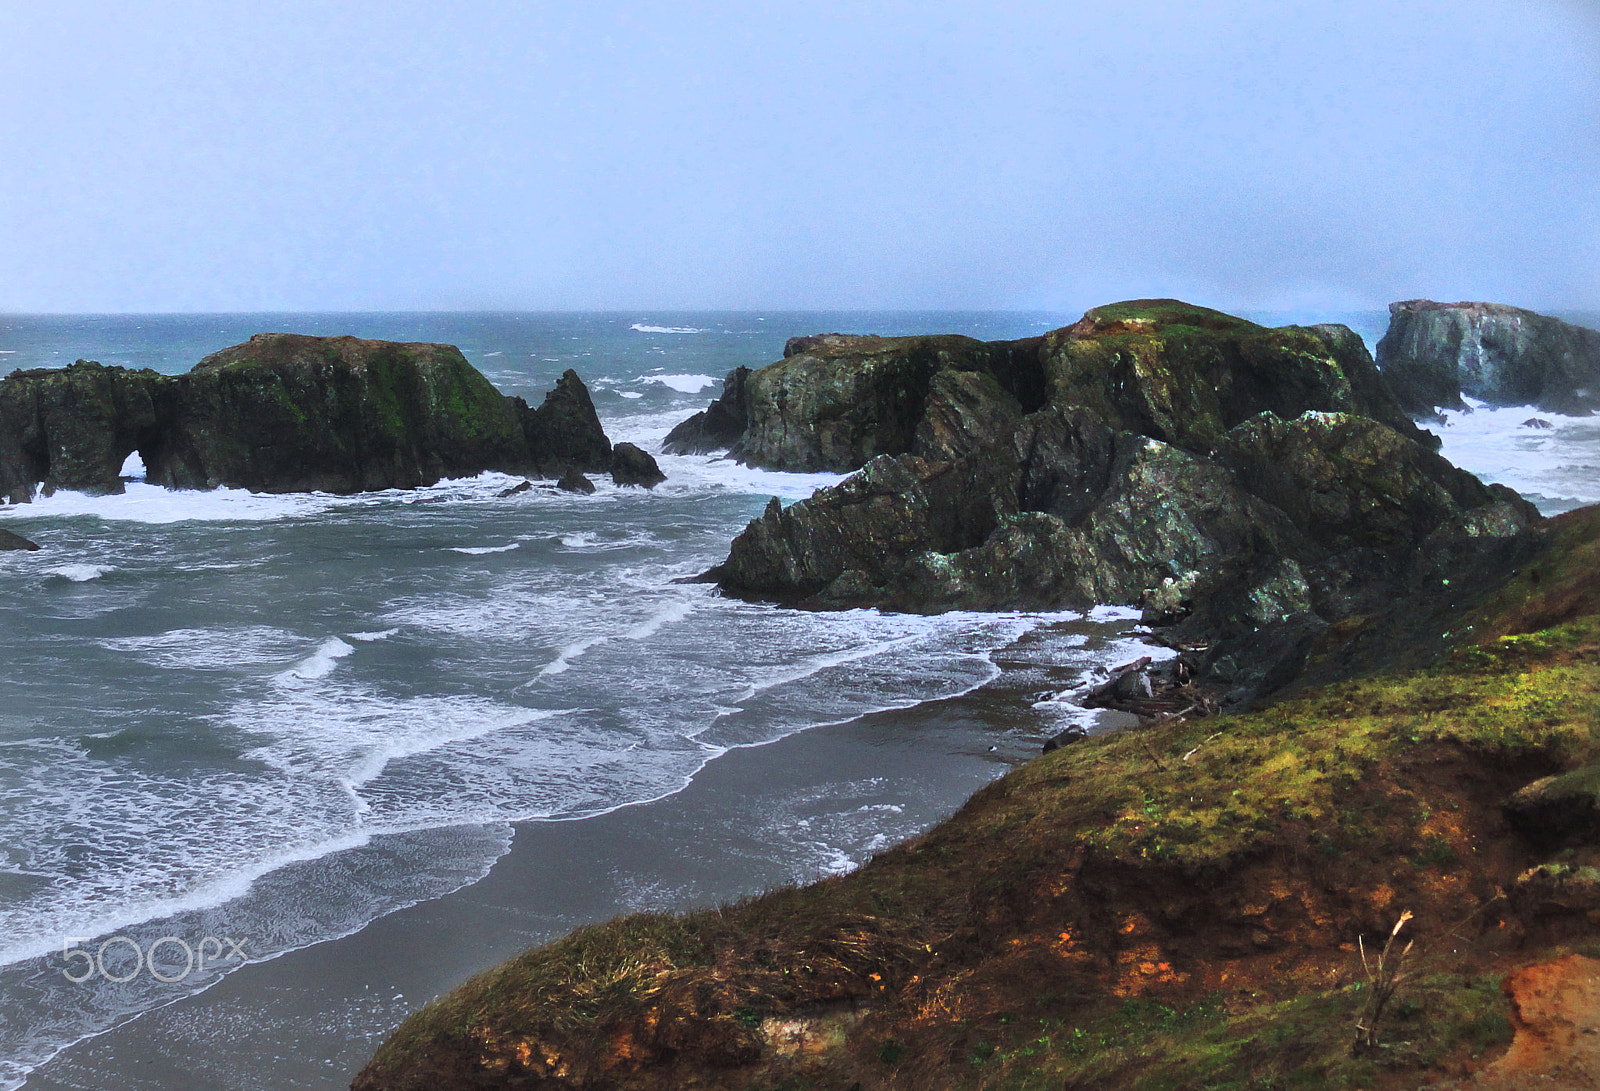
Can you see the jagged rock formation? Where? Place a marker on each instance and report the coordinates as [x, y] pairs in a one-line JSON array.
[[9, 540], [288, 413], [1229, 477], [1434, 353], [719, 426]]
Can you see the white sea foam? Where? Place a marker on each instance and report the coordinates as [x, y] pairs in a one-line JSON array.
[[79, 573], [209, 649], [143, 503], [683, 384], [349, 735], [699, 474], [629, 394], [643, 328], [382, 634], [475, 551], [133, 467], [319, 664], [605, 542], [1558, 467], [563, 662], [670, 614]]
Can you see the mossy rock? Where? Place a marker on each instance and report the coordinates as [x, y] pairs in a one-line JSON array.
[[1559, 809]]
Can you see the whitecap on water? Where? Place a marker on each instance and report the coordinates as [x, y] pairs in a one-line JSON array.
[[643, 328], [79, 573], [143, 503], [209, 649], [683, 384], [1558, 466], [476, 551], [319, 664]]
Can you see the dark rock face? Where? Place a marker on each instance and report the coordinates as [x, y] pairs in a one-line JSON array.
[[72, 428], [836, 401], [631, 465], [564, 432], [1434, 353], [9, 540], [719, 426], [288, 413], [1240, 482]]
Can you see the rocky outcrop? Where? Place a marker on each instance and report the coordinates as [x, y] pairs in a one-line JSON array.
[[288, 413], [72, 428], [1435, 353], [564, 432], [1231, 478], [835, 401], [719, 426], [1161, 368], [632, 465]]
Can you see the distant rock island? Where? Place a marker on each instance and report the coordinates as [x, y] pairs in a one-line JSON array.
[[1247, 486], [1435, 353], [285, 412]]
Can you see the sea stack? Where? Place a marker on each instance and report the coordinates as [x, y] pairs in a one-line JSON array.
[[1434, 354], [289, 413]]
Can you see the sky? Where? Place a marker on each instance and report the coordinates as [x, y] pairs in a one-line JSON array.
[[219, 155]]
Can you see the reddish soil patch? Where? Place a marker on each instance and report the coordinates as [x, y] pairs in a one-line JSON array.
[[1557, 1019]]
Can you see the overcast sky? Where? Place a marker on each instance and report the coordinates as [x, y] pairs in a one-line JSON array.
[[184, 155]]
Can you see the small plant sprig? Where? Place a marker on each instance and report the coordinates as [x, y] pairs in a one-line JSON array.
[[1384, 973]]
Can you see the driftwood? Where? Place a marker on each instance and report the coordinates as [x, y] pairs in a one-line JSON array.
[[1165, 691]]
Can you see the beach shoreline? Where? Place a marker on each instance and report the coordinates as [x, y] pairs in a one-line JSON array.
[[790, 811]]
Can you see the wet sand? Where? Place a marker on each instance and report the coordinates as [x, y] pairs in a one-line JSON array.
[[751, 820]]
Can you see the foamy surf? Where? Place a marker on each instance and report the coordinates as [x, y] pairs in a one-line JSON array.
[[78, 573], [683, 384], [319, 664], [1552, 459], [641, 327]]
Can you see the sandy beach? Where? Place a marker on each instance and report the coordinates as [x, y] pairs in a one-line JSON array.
[[753, 819]]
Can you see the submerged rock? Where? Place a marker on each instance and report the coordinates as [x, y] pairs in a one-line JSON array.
[[1435, 353], [9, 540], [288, 413], [573, 481]]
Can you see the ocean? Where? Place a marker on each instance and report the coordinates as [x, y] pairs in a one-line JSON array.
[[241, 725]]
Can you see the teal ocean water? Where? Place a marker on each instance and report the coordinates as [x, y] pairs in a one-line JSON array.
[[274, 719]]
